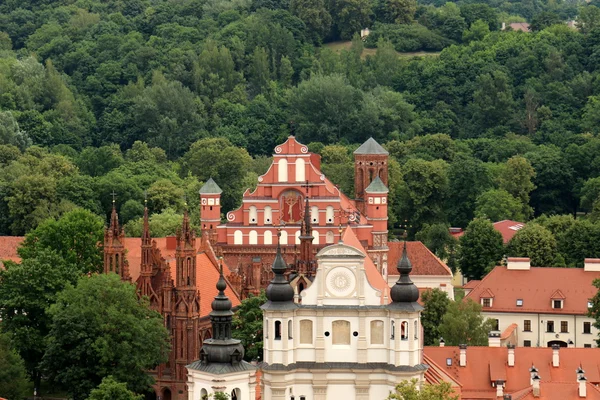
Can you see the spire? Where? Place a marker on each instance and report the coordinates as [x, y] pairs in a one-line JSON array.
[[404, 291], [306, 224], [114, 229], [186, 235], [146, 226], [279, 290], [221, 314]]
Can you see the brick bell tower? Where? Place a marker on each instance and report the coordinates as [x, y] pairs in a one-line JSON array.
[[210, 209], [370, 161]]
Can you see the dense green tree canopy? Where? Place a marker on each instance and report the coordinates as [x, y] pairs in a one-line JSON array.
[[13, 378], [248, 326], [480, 249], [536, 242], [436, 304], [101, 328], [464, 324]]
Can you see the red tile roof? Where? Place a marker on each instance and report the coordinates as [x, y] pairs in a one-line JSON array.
[[507, 229], [508, 331], [487, 364], [536, 287], [8, 248], [423, 261], [471, 284]]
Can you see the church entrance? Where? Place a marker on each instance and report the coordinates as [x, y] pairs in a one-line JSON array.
[[558, 342], [166, 394], [151, 395]]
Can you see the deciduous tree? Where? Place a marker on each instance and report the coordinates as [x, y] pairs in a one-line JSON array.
[[248, 326], [411, 390], [436, 304], [13, 378], [480, 248], [110, 389], [536, 242], [464, 324]]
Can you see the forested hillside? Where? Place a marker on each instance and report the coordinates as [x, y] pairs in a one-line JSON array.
[[156, 96]]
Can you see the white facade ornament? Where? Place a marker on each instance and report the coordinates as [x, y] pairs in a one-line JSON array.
[[341, 281], [230, 216], [278, 149], [304, 149]]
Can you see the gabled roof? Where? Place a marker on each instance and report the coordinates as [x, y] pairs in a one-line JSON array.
[[423, 261], [558, 295], [487, 364], [377, 186], [210, 187], [507, 229], [370, 147], [536, 287], [486, 294]]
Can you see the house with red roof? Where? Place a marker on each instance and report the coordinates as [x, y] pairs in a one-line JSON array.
[[516, 373], [540, 306], [507, 229]]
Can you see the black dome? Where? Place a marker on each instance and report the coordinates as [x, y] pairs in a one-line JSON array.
[[279, 290], [404, 291]]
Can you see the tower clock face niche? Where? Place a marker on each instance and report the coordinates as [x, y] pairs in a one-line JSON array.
[[341, 282]]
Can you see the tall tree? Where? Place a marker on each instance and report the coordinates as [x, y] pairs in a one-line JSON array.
[[13, 378], [110, 389], [480, 248], [536, 242], [247, 326], [315, 15], [438, 239], [517, 179], [350, 16], [468, 178], [436, 304], [464, 324], [100, 328], [493, 101], [498, 205]]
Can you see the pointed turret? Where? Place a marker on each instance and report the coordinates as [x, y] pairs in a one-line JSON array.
[[279, 290], [146, 239], [114, 251], [404, 291], [185, 254], [114, 229]]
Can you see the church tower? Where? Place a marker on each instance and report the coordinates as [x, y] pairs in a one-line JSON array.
[[210, 209], [370, 161], [144, 282], [221, 367], [186, 341], [114, 249], [376, 201]]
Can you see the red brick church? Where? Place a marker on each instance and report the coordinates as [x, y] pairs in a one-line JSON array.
[[295, 197]]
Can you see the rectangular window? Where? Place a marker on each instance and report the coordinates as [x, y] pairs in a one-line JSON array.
[[306, 331], [526, 343], [496, 324], [550, 326], [564, 326], [341, 332], [519, 302], [487, 302], [527, 325], [376, 332], [557, 304], [587, 327], [587, 346]]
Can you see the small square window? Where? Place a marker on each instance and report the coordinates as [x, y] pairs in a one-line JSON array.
[[526, 343], [519, 302], [487, 302], [556, 303]]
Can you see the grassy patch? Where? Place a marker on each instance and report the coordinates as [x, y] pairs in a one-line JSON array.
[[345, 45]]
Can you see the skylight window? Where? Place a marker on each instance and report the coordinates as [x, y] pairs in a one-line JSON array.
[[449, 362], [516, 227], [519, 302]]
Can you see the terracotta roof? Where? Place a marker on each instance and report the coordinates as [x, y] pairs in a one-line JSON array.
[[207, 270], [9, 246], [507, 229], [375, 278], [472, 284], [487, 364], [508, 331], [520, 26], [536, 287], [423, 261]]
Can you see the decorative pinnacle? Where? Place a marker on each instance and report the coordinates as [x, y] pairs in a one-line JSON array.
[[114, 195]]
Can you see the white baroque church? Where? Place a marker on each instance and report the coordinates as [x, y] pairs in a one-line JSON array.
[[341, 340]]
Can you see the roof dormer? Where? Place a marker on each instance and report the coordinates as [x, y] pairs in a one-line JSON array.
[[558, 299], [486, 298]]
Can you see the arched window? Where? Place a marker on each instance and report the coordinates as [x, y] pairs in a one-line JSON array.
[[290, 329], [393, 330], [315, 237], [236, 394], [314, 214], [416, 330], [329, 215], [284, 238], [404, 330], [268, 216], [341, 332], [329, 237], [268, 238], [203, 394], [297, 235], [377, 332], [300, 170], [282, 170], [238, 238], [253, 237], [306, 331], [252, 215], [277, 330]]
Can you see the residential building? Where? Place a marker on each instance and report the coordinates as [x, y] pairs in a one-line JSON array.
[[548, 305]]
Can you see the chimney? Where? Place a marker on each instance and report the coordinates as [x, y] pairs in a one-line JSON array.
[[518, 263], [442, 342], [591, 264], [494, 339], [555, 357], [580, 372], [503, 25], [570, 344], [536, 385], [532, 372], [499, 388], [582, 386], [463, 355], [511, 355]]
